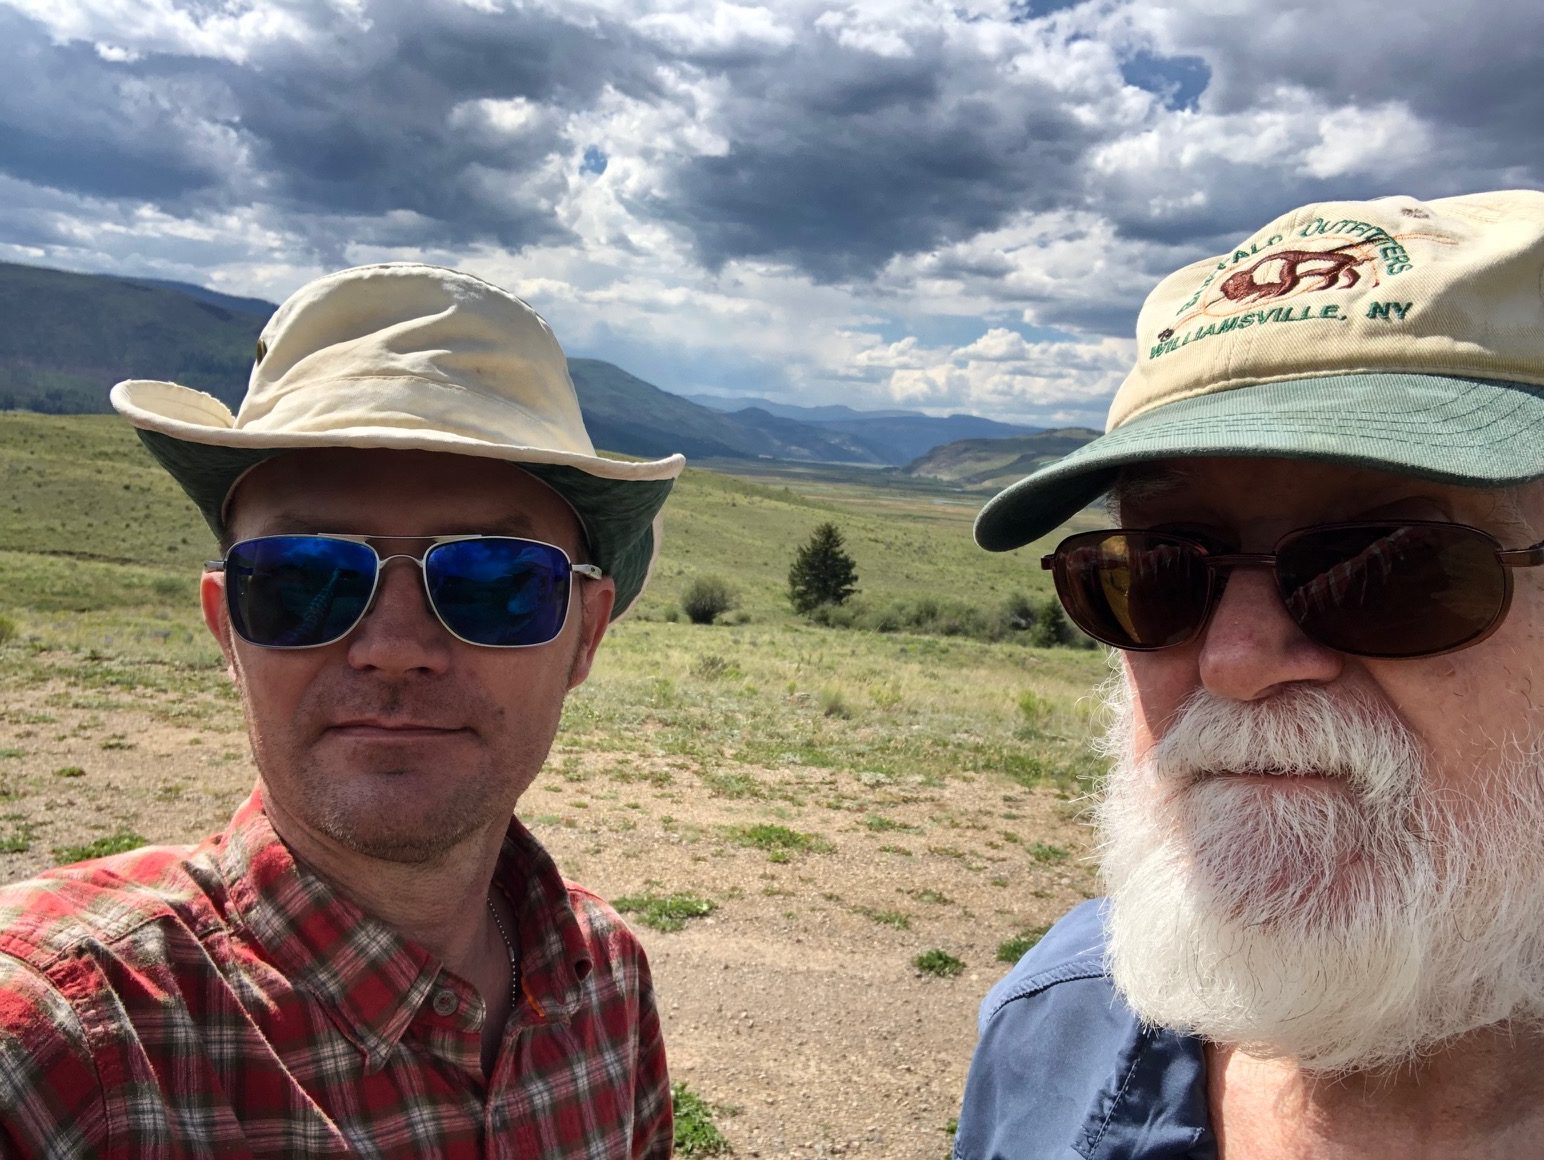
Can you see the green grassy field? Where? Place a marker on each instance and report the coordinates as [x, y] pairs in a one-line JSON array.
[[101, 555], [89, 524]]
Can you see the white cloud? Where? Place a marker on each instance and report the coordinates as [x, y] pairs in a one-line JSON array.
[[726, 27], [508, 118], [135, 27], [1355, 141], [997, 345]]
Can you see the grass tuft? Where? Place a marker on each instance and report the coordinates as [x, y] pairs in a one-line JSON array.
[[834, 703], [1013, 949], [898, 919], [666, 912], [695, 1132], [19, 842], [938, 963], [883, 825], [778, 841], [712, 667], [102, 847]]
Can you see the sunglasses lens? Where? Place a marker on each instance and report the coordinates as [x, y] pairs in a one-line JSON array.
[[1393, 590], [297, 591], [498, 591], [1133, 590]]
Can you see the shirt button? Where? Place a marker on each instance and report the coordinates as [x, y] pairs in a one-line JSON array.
[[445, 1002]]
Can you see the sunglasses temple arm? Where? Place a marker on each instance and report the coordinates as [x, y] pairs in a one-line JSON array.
[[1522, 557], [214, 565]]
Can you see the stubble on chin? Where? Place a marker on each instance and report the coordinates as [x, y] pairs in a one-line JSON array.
[[412, 806]]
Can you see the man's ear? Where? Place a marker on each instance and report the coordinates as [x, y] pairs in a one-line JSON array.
[[211, 597], [596, 598]]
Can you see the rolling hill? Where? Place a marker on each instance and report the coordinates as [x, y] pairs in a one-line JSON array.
[[66, 338], [988, 464]]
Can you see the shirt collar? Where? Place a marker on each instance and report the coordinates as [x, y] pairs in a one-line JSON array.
[[555, 955], [373, 978], [1154, 1101]]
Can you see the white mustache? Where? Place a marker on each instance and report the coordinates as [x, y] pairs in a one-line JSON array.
[[1298, 731]]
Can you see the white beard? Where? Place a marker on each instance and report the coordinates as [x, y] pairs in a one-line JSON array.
[[1345, 927]]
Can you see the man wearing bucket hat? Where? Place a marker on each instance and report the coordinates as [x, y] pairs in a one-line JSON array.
[[421, 552], [1323, 833]]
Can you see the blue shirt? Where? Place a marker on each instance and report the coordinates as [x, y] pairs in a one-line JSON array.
[[1065, 1070]]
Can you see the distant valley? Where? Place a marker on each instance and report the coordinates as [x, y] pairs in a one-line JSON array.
[[65, 338]]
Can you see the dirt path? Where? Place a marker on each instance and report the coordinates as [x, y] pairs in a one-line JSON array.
[[795, 1002]]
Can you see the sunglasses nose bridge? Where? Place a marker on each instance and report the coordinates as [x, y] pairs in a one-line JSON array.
[[380, 579], [1220, 567], [1241, 560], [384, 560]]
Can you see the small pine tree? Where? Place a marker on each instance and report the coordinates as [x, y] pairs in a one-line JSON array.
[[822, 572], [1051, 628]]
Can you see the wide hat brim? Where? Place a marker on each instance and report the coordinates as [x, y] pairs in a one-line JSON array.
[[1468, 432], [191, 434], [408, 357]]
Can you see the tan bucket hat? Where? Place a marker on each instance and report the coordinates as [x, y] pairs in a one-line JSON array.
[[414, 357], [1396, 334]]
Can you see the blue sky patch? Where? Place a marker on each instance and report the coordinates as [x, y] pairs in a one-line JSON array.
[[1179, 80]]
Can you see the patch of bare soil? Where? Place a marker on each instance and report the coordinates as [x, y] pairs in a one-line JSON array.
[[795, 1005]]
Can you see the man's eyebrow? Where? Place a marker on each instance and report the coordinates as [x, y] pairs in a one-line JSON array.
[[515, 525], [300, 523], [1135, 484], [289, 521]]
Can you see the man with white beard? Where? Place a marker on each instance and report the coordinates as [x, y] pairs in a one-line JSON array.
[[1322, 836]]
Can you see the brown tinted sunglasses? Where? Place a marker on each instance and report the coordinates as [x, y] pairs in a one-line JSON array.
[[1407, 588]]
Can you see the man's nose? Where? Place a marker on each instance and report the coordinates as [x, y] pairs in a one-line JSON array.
[[1252, 646], [400, 633]]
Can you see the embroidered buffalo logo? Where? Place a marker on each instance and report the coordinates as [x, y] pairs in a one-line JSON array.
[[1286, 272]]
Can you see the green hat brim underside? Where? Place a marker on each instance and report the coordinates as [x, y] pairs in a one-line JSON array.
[[617, 514], [1469, 432]]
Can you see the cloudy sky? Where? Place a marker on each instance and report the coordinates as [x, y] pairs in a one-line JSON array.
[[889, 203]]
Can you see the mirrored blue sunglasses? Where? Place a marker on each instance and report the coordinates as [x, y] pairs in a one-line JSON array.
[[303, 591]]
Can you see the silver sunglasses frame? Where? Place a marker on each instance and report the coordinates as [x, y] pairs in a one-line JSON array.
[[588, 571]]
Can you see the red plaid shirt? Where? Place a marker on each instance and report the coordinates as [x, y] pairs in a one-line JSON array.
[[221, 1000]]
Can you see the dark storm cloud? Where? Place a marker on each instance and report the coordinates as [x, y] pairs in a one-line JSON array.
[[1469, 78], [70, 121], [840, 159], [352, 125], [375, 129], [1456, 65]]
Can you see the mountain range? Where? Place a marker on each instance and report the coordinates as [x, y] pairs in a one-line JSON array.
[[904, 435], [65, 338]]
